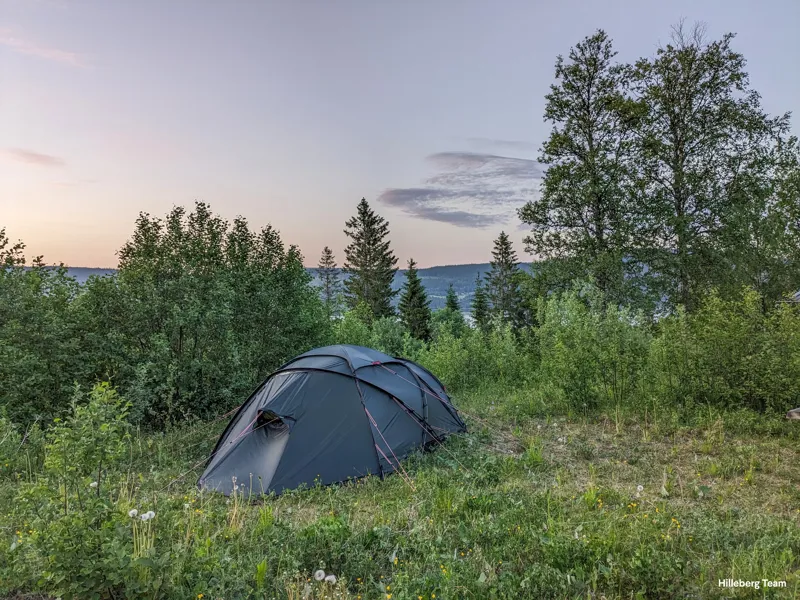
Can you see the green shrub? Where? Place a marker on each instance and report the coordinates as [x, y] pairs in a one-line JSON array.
[[593, 353], [730, 353], [388, 336]]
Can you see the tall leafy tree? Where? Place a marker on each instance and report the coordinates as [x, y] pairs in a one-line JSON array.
[[697, 126], [330, 285], [370, 262], [503, 282], [585, 213], [759, 234], [451, 300], [415, 311]]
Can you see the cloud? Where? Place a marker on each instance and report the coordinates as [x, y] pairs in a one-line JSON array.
[[22, 46], [471, 190], [34, 158], [510, 145]]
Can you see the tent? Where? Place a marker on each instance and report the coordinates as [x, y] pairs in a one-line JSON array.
[[329, 415]]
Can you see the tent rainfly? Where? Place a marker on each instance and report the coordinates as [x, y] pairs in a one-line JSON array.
[[329, 415]]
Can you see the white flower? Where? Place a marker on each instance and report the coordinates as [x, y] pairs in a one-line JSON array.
[[93, 484], [145, 516], [639, 488], [319, 574], [132, 513], [331, 579], [151, 514]]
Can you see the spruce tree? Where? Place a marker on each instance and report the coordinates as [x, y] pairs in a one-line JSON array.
[[480, 306], [451, 301], [502, 281], [330, 286], [415, 311], [370, 263]]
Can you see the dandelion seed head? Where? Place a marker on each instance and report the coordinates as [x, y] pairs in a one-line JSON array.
[[93, 484], [132, 513], [319, 575], [331, 578]]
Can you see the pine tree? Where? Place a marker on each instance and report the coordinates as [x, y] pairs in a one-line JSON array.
[[502, 281], [451, 301], [330, 286], [415, 311], [480, 306], [370, 263]]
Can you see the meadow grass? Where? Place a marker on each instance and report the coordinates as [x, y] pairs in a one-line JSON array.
[[533, 502]]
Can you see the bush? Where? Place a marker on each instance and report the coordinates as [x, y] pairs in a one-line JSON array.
[[592, 353], [730, 353], [387, 336], [476, 359]]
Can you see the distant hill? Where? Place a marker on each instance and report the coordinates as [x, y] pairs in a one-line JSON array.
[[435, 279]]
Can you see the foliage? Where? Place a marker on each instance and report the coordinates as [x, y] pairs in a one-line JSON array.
[[585, 212], [451, 300], [353, 327], [388, 336], [330, 286], [729, 354], [503, 284], [480, 307], [414, 307], [41, 349], [209, 309], [701, 135], [591, 353], [370, 262], [447, 320]]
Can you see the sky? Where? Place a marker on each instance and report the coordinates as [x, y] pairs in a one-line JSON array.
[[289, 112]]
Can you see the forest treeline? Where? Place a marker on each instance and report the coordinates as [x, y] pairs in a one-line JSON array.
[[666, 239]]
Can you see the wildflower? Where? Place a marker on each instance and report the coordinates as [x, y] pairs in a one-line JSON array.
[[199, 596], [93, 485], [152, 514], [145, 517], [132, 513], [639, 488], [319, 575], [331, 579]]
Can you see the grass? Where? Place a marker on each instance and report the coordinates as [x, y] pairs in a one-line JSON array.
[[540, 504]]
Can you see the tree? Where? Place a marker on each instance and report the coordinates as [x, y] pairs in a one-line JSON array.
[[584, 216], [503, 282], [697, 124], [449, 319], [415, 311], [209, 310], [481, 311], [370, 263], [451, 300], [330, 286]]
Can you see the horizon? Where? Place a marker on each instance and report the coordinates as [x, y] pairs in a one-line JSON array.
[[290, 113]]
